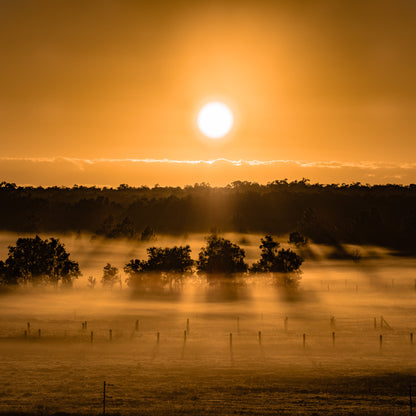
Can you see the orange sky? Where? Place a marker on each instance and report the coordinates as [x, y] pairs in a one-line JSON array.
[[309, 81]]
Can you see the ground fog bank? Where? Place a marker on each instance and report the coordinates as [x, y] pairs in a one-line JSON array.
[[254, 348]]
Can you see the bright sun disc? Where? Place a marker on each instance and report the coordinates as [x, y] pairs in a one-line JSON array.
[[215, 120]]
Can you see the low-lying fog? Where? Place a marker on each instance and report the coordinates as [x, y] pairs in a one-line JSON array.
[[378, 281], [338, 306]]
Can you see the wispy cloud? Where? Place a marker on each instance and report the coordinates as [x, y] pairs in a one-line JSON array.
[[368, 165], [180, 172]]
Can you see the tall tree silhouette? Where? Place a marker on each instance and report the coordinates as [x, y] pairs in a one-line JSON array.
[[163, 266], [221, 256], [272, 260], [33, 260]]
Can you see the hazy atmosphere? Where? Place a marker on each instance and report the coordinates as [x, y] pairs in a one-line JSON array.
[[311, 82], [207, 207]]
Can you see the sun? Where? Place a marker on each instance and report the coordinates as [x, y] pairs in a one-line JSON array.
[[215, 120]]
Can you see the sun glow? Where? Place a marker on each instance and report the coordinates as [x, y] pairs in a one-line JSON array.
[[215, 120]]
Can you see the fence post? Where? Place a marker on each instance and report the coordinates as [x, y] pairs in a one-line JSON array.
[[104, 400]]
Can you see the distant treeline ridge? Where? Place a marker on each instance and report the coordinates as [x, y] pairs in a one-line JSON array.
[[349, 213]]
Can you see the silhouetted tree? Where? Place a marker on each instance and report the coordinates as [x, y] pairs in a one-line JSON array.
[[272, 260], [33, 260], [221, 256], [137, 278], [164, 265], [110, 276], [174, 260], [298, 239]]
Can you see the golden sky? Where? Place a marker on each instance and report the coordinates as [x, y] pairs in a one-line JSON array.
[[308, 82]]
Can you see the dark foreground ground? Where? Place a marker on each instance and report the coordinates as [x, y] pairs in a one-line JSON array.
[[59, 382], [227, 392]]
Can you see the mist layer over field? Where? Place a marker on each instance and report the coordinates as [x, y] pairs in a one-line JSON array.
[[314, 350]]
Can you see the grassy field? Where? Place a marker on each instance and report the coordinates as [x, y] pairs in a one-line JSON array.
[[62, 371]]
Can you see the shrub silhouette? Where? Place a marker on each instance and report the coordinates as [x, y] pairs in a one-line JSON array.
[[36, 261], [221, 256], [92, 281], [110, 276]]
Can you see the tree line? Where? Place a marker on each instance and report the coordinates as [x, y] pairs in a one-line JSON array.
[[37, 261], [334, 214]]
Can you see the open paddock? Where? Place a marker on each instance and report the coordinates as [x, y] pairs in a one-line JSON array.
[[339, 368]]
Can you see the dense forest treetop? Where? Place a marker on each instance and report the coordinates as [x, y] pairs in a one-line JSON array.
[[163, 191], [348, 213]]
